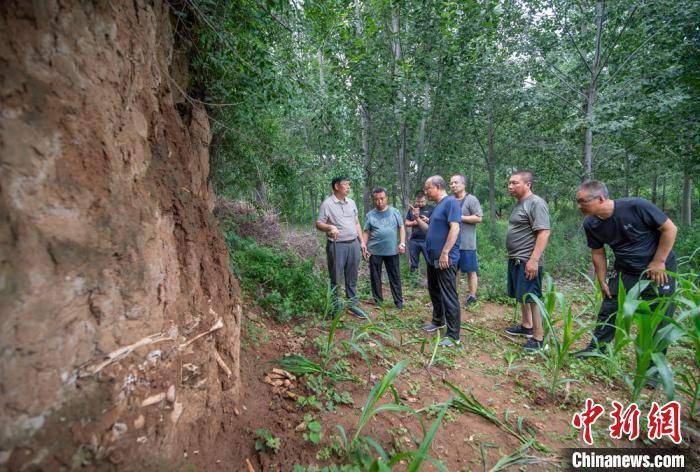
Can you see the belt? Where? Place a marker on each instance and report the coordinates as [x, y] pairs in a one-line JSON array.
[[343, 242]]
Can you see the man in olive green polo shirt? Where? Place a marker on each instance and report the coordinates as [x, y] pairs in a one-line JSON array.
[[338, 218]]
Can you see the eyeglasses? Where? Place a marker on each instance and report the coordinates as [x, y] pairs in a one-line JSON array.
[[581, 201]]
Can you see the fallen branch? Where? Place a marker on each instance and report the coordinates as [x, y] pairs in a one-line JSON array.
[[114, 356], [218, 325]]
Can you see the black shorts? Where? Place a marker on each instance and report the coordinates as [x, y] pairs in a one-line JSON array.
[[519, 286]]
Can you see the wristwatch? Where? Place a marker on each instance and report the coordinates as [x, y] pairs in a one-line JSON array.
[[402, 245]]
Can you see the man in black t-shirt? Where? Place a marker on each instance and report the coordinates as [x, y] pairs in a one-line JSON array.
[[416, 244], [641, 237]]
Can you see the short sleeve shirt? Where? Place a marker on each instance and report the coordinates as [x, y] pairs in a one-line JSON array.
[[467, 234], [341, 214], [528, 216], [383, 227], [418, 234], [446, 212], [632, 232]]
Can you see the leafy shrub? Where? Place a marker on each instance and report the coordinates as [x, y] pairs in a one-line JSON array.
[[281, 282]]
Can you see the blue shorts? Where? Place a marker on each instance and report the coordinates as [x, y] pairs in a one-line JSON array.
[[519, 286], [467, 261]]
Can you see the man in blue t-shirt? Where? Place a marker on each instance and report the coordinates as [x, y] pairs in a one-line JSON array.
[[443, 253], [641, 236], [383, 227]]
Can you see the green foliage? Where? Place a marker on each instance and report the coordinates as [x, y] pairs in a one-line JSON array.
[[283, 284], [559, 320], [314, 432], [266, 441]]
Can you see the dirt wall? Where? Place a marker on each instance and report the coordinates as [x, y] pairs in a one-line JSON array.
[[106, 235]]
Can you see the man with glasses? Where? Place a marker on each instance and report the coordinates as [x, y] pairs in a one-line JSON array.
[[641, 236], [443, 254], [337, 218]]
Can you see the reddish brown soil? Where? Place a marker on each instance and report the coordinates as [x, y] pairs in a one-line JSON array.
[[457, 444]]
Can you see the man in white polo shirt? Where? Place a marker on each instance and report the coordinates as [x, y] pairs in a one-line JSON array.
[[337, 217]]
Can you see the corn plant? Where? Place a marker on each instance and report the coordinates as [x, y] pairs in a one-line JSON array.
[[370, 409], [421, 454], [649, 343], [557, 353], [300, 365], [518, 458], [468, 402]]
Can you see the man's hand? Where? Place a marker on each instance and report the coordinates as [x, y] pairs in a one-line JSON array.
[[415, 212], [605, 289], [657, 272], [444, 261], [425, 218], [365, 253], [333, 232], [402, 248], [531, 268]]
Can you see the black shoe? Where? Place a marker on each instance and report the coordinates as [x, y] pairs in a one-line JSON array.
[[358, 313], [533, 345], [430, 327], [652, 381], [471, 300], [591, 350], [519, 330], [399, 306]]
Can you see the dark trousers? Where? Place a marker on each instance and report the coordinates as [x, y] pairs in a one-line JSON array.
[[392, 269], [605, 328], [442, 287], [344, 262], [416, 247]]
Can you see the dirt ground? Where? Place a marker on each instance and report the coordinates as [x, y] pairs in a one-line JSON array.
[[464, 441]]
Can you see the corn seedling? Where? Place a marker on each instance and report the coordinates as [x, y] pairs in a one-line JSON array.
[[557, 354], [421, 454], [649, 343], [467, 402], [518, 458], [300, 365]]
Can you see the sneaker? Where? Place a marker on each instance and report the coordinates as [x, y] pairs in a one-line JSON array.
[[471, 300], [399, 306], [449, 342], [532, 345], [430, 327], [591, 350], [519, 330], [358, 313], [652, 382]]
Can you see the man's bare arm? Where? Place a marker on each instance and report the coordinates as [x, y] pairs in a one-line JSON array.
[[657, 266], [472, 219], [600, 264], [532, 265]]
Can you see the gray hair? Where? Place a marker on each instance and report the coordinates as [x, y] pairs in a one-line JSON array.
[[438, 182], [594, 188], [462, 178]]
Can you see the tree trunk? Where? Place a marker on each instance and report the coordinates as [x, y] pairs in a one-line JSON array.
[[420, 145], [399, 110], [654, 187], [491, 165], [590, 94], [686, 200], [365, 123], [627, 174]]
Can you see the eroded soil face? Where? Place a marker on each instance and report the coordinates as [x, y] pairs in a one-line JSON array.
[[106, 229]]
